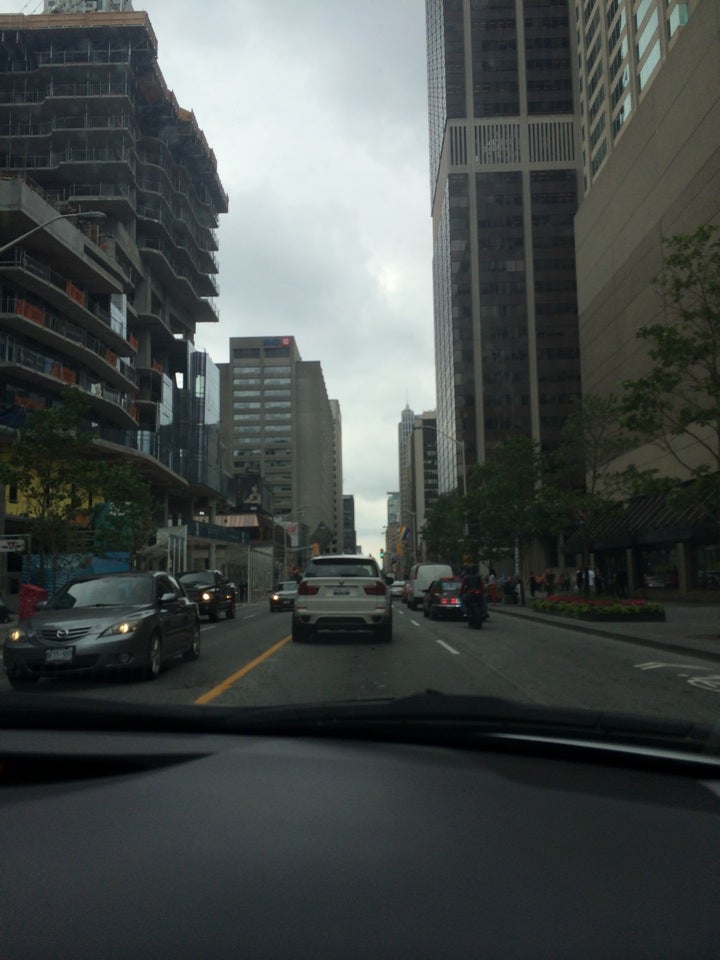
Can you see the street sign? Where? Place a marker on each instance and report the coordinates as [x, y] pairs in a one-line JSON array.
[[12, 544]]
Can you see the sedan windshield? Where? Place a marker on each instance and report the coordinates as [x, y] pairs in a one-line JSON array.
[[103, 592]]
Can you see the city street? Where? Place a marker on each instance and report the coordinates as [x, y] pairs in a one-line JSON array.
[[251, 661]]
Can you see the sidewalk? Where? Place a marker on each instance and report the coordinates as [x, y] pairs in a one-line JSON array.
[[689, 628]]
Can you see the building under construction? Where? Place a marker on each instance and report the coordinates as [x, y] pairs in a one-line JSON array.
[[87, 123]]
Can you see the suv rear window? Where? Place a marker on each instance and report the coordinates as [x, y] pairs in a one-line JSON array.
[[341, 567]]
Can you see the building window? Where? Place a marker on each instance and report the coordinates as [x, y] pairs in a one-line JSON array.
[[648, 35], [678, 18], [648, 67]]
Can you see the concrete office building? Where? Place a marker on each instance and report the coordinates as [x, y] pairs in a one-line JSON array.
[[504, 175], [281, 429], [650, 97], [88, 123]]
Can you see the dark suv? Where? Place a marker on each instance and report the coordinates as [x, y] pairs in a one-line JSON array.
[[212, 592]]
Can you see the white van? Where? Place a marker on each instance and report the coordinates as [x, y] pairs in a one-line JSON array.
[[421, 576]]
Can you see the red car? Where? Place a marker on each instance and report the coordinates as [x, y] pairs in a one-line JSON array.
[[442, 598]]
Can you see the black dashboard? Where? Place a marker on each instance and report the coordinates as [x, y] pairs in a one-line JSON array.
[[134, 845]]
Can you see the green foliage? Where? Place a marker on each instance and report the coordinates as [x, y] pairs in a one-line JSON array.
[[442, 531], [679, 398], [56, 468]]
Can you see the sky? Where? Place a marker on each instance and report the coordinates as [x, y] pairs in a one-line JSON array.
[[317, 114]]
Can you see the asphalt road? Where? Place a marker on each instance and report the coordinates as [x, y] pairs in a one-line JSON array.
[[251, 661]]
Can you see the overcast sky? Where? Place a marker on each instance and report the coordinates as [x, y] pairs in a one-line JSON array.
[[317, 113]]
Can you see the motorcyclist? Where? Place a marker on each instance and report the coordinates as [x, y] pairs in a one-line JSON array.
[[472, 590]]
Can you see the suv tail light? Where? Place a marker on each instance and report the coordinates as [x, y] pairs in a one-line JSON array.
[[307, 590], [378, 589]]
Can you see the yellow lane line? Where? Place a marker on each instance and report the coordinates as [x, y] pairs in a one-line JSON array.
[[229, 681]]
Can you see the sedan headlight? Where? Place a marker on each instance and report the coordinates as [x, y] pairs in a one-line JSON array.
[[275, 596], [16, 635], [206, 595], [121, 629]]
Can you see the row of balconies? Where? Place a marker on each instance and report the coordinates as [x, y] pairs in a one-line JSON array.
[[25, 126], [16, 353], [178, 238], [60, 326], [20, 259], [14, 95], [166, 250], [205, 237]]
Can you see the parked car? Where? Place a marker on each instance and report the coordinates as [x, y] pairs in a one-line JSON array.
[[442, 599], [117, 621], [421, 576], [283, 596], [212, 592], [4, 611], [340, 592], [396, 589]]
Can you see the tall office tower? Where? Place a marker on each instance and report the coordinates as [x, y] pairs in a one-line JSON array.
[[650, 81], [87, 122], [423, 470], [349, 532], [405, 429], [504, 185], [281, 429]]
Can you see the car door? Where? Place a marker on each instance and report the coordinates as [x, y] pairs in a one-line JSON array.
[[175, 615]]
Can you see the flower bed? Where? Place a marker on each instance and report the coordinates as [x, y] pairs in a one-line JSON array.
[[591, 608]]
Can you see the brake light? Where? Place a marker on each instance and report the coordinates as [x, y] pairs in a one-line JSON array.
[[378, 589], [307, 590]]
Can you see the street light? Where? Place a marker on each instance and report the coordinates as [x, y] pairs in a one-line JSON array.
[[86, 215]]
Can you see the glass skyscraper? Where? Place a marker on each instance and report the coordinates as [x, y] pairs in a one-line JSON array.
[[504, 176]]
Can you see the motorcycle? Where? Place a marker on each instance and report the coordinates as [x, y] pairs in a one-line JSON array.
[[475, 607]]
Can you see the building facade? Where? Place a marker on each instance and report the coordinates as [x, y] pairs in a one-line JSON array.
[[87, 123], [280, 428], [650, 94], [504, 171]]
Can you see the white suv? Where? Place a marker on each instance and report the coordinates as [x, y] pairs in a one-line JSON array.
[[342, 592]]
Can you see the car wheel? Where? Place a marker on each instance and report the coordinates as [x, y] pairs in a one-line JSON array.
[[154, 664], [193, 651], [23, 681], [230, 612], [433, 614]]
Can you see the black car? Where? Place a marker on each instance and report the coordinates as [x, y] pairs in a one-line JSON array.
[[442, 599], [283, 596], [118, 621], [212, 592]]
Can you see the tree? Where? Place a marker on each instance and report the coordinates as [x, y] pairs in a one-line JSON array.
[[507, 503], [678, 400], [587, 485], [56, 467], [442, 531]]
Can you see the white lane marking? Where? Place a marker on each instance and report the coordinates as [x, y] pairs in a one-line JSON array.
[[448, 647], [414, 622], [710, 683]]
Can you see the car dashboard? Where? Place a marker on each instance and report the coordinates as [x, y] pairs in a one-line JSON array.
[[141, 843]]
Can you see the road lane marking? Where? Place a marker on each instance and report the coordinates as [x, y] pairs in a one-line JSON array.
[[448, 647], [229, 681]]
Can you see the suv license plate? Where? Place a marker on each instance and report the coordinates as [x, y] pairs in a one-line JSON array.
[[341, 593], [60, 655]]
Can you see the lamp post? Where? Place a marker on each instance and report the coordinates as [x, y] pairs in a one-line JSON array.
[[86, 215]]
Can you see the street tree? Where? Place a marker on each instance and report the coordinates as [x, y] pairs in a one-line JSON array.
[[676, 404], [442, 533], [60, 476]]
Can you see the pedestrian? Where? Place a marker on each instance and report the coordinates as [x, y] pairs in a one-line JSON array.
[[579, 580], [590, 573], [532, 585], [492, 586]]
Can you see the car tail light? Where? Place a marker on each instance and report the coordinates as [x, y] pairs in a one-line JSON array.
[[378, 589], [307, 590]]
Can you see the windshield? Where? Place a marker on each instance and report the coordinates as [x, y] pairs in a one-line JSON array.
[[102, 592], [409, 310]]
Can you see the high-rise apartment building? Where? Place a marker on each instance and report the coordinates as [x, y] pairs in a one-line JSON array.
[[504, 183], [88, 123], [280, 427]]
